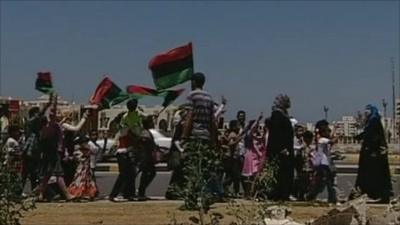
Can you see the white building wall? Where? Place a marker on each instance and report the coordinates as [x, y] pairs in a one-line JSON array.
[[105, 117]]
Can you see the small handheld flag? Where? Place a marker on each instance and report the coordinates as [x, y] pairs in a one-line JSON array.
[[108, 94], [44, 83], [168, 95]]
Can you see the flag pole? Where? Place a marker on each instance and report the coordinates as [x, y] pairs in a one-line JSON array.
[[53, 117], [162, 110]]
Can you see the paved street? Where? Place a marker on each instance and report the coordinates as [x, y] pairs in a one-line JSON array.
[[158, 187]]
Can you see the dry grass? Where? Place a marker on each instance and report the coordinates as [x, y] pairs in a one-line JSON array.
[[143, 213]]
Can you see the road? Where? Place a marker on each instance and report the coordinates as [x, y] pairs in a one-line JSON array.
[[159, 185]]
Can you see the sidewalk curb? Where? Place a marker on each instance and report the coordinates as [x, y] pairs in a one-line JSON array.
[[162, 167], [113, 167], [353, 169]]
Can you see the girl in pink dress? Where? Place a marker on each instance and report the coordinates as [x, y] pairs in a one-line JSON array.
[[255, 153]]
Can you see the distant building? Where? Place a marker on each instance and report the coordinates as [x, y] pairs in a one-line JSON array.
[[346, 129], [44, 99], [62, 106], [389, 127], [310, 127]]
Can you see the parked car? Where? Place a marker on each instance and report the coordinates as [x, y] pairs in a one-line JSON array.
[[161, 140], [108, 150], [164, 144]]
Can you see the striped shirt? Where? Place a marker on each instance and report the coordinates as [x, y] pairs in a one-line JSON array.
[[202, 107]]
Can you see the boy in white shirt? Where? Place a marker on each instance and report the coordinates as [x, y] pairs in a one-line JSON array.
[[95, 149], [13, 150], [323, 163]]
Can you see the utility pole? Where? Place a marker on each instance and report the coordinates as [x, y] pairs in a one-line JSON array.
[[393, 98], [396, 124], [384, 104], [0, 81], [326, 109]]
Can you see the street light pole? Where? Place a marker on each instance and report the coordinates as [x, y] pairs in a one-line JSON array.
[[393, 96], [326, 109], [384, 104], [0, 84]]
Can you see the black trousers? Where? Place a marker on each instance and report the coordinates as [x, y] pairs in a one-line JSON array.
[[148, 170], [284, 176], [69, 168], [325, 178], [31, 171], [300, 178], [233, 170], [125, 182], [176, 183]]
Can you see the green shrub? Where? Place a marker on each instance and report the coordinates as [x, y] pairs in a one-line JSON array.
[[12, 204]]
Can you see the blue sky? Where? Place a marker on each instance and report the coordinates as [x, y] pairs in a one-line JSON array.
[[332, 53]]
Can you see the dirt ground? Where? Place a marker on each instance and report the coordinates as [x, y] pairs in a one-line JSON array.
[[143, 213]]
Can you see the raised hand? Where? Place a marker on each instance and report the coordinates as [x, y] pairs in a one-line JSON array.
[[223, 100]]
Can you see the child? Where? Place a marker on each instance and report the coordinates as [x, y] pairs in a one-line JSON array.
[[307, 177], [299, 162], [252, 158], [232, 161], [83, 185], [13, 150], [323, 163]]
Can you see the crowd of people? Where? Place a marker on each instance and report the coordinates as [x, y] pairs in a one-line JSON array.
[[59, 160]]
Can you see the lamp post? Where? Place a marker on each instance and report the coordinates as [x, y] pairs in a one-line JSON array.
[[385, 127], [326, 109], [393, 96]]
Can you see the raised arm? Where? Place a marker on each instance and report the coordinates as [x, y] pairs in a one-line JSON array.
[[220, 108], [77, 127], [46, 107]]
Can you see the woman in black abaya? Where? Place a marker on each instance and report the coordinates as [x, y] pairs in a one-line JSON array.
[[373, 176]]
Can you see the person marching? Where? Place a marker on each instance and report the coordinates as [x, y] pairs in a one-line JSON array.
[[132, 120], [232, 161], [69, 132], [176, 157], [13, 154], [307, 178], [83, 186], [95, 150], [50, 143], [323, 163], [199, 133], [373, 176], [125, 181], [299, 162], [146, 163], [31, 151], [255, 147], [280, 149]]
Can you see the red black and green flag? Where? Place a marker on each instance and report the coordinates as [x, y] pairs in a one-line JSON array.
[[108, 94], [168, 95], [44, 83], [172, 67], [141, 91]]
